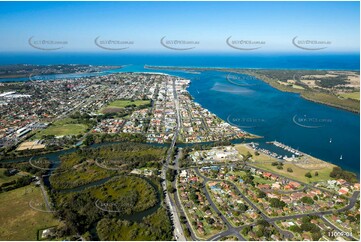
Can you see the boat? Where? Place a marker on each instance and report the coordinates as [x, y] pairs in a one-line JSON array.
[[341, 157]]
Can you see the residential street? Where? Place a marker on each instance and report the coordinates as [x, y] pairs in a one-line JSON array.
[[286, 234]]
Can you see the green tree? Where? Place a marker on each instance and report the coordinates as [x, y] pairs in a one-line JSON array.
[[261, 194], [246, 229], [307, 200], [276, 203], [316, 236], [308, 174], [242, 207]]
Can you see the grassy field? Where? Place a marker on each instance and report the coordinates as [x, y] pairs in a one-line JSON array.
[[118, 105], [4, 178], [351, 95], [125, 103], [265, 162], [243, 149], [297, 87], [19, 221], [298, 172], [62, 127]]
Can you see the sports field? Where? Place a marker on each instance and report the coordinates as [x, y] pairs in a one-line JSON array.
[[63, 127], [118, 105]]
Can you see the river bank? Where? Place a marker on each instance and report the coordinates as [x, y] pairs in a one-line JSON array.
[[308, 94]]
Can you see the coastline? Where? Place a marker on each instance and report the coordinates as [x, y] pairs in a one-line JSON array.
[[308, 95], [308, 152], [248, 135], [252, 136], [317, 97]]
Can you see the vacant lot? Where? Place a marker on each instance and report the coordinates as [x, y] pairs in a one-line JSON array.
[[118, 105], [63, 127], [19, 221]]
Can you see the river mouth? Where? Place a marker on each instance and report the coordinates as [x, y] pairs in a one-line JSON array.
[[278, 110], [273, 112]]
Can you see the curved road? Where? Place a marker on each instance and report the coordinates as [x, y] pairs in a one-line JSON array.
[[286, 234]]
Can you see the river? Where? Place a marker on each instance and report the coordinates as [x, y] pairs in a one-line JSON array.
[[325, 132]]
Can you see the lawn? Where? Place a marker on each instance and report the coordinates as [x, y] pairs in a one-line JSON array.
[[298, 172], [260, 180], [297, 87], [243, 149], [351, 95], [238, 173], [19, 221], [63, 127], [118, 105], [264, 161], [125, 103]]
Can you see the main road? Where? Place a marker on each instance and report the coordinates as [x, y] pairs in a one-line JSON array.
[[178, 231]]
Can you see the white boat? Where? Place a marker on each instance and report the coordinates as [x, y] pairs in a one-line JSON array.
[[341, 157]]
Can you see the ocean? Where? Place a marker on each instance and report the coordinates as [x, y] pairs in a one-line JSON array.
[[312, 60]]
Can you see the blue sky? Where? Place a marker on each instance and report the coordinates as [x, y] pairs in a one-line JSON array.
[[209, 23]]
